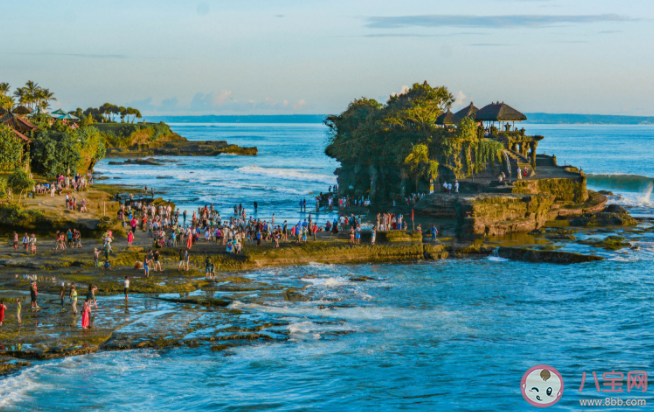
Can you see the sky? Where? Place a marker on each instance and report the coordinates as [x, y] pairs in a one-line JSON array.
[[168, 57]]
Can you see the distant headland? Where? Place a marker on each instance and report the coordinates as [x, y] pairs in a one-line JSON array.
[[534, 118]]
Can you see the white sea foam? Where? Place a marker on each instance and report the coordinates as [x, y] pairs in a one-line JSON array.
[[329, 282], [287, 174], [497, 259]]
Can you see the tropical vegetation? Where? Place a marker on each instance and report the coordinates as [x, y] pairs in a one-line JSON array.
[[402, 134]]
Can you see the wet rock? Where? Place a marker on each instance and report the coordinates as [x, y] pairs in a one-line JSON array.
[[609, 243], [606, 192], [146, 162], [361, 278], [434, 251], [295, 295], [604, 219], [545, 256], [616, 209]]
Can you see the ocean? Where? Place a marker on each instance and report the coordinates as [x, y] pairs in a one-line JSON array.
[[453, 335]]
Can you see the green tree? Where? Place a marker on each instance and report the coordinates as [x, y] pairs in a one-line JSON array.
[[55, 152], [419, 164], [19, 180], [11, 149], [4, 88], [6, 102]]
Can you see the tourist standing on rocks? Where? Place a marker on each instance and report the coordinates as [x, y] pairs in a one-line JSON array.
[[73, 297], [26, 242], [15, 240], [3, 307], [33, 295], [157, 262], [62, 294], [90, 295], [126, 288], [86, 315], [18, 310]]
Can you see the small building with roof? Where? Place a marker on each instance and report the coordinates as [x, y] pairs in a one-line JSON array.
[[446, 119], [468, 111]]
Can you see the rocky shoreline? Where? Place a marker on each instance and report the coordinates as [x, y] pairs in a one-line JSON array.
[[53, 332], [181, 147]]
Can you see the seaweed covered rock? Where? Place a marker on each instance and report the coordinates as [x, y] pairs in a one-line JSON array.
[[608, 243], [613, 215]]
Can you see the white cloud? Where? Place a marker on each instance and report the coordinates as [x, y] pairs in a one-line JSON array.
[[217, 102], [300, 105], [403, 90], [460, 99]]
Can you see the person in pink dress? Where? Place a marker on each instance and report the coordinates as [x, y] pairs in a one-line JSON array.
[[189, 240], [86, 315], [130, 238]]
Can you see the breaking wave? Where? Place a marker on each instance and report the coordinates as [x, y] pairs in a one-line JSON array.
[[287, 174], [617, 181]]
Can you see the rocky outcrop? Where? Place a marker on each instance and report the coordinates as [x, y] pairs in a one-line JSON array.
[[545, 256], [608, 243], [572, 189], [499, 214], [181, 148], [146, 162], [613, 215]]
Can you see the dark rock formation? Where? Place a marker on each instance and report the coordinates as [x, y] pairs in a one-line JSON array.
[[545, 256], [609, 243], [147, 162], [181, 148]]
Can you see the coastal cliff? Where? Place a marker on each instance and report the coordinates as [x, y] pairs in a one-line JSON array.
[[149, 139]]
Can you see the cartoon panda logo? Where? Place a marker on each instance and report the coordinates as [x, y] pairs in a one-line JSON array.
[[542, 386]]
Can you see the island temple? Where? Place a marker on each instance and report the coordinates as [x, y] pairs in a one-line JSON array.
[[520, 192]]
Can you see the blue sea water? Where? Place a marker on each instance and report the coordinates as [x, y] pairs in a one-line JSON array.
[[454, 335]]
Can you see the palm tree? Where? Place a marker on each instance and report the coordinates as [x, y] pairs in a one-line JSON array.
[[21, 95], [4, 88], [45, 96], [32, 91]]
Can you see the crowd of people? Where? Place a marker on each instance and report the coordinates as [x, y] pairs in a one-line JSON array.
[[171, 228], [62, 183]]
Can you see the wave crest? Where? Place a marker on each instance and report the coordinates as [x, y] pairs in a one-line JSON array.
[[287, 174], [616, 181]]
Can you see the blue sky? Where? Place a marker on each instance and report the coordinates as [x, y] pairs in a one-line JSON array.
[[308, 56]]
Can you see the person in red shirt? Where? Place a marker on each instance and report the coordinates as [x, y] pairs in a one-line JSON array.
[[3, 307]]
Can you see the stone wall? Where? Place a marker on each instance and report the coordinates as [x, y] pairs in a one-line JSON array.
[[565, 189], [499, 214]]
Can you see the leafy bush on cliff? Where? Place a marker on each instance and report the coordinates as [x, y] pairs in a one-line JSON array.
[[127, 134], [66, 152], [11, 149]]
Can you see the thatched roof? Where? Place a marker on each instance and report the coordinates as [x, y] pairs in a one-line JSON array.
[[501, 112], [22, 110], [446, 118], [467, 111], [17, 122], [21, 136]]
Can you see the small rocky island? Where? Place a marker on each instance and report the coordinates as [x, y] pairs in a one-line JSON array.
[[477, 174]]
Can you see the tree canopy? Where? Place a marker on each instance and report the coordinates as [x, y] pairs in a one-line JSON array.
[[402, 133], [10, 148]]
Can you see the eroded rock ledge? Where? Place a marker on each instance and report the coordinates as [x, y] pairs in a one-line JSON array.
[[181, 148]]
